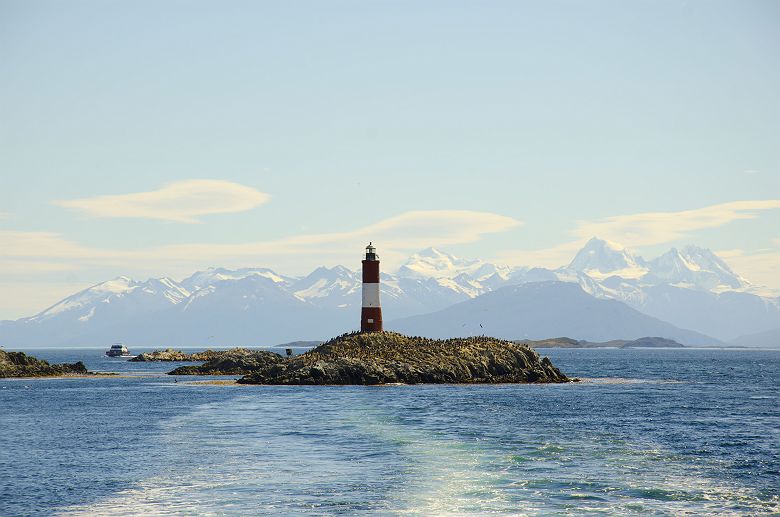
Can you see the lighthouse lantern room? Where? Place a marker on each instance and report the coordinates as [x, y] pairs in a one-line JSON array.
[[371, 312]]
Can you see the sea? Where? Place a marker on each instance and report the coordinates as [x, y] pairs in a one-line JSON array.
[[645, 432]]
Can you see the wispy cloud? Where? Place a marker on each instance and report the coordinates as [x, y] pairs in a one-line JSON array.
[[759, 266], [642, 229], [47, 245], [406, 232], [25, 298], [551, 257], [15, 267], [181, 201], [650, 228]]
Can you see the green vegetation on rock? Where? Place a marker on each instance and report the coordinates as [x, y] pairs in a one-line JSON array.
[[389, 357], [19, 364]]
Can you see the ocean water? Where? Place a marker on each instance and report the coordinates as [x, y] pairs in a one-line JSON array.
[[666, 432]]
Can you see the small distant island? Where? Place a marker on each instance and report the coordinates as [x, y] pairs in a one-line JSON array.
[[566, 342], [169, 354], [373, 358], [19, 364]]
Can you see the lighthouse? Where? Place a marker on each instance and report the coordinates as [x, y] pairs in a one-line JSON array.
[[371, 313]]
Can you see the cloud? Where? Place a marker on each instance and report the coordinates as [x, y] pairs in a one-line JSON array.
[[394, 236], [552, 257], [759, 267], [651, 228], [642, 229], [21, 299], [181, 201], [42, 244], [20, 267]]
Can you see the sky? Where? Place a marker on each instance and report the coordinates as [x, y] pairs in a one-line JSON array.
[[153, 138]]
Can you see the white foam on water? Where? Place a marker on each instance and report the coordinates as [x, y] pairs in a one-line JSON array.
[[252, 457], [624, 380]]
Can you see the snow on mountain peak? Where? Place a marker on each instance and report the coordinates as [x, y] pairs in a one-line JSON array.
[[433, 263], [695, 267], [211, 276], [600, 259], [434, 253], [163, 290], [706, 259], [324, 282]]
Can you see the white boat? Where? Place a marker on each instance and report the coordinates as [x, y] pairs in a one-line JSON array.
[[118, 350]]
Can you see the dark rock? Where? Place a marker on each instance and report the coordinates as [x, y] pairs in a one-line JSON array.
[[19, 364], [389, 357], [232, 362]]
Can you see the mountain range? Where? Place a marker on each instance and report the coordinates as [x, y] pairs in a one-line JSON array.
[[606, 292]]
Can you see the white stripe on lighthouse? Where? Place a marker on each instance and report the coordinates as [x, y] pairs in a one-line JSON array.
[[370, 295]]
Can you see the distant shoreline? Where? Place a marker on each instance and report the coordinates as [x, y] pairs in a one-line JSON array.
[[566, 342]]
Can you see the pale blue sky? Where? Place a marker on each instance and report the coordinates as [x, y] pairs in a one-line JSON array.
[[555, 115]]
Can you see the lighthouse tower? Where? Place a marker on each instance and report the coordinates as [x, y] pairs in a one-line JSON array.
[[371, 313]]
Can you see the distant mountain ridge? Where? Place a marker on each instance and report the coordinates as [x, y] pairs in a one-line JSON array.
[[541, 309], [766, 339], [690, 288]]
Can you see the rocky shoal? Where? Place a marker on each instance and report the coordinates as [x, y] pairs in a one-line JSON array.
[[232, 364], [19, 364]]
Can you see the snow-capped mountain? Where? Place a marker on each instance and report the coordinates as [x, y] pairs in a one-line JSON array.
[[691, 288], [694, 267], [601, 259], [432, 263], [121, 294], [106, 305], [327, 284], [213, 276]]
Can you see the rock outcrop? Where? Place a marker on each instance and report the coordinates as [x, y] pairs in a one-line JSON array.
[[389, 357], [169, 354], [235, 363], [19, 364]]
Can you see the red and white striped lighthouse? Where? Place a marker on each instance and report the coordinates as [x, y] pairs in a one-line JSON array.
[[371, 313]]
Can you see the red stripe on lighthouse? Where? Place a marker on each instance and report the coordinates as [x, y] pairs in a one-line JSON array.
[[371, 319], [370, 271]]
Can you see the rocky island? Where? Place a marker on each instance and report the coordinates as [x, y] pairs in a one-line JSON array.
[[232, 362], [19, 364], [388, 357], [169, 354]]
